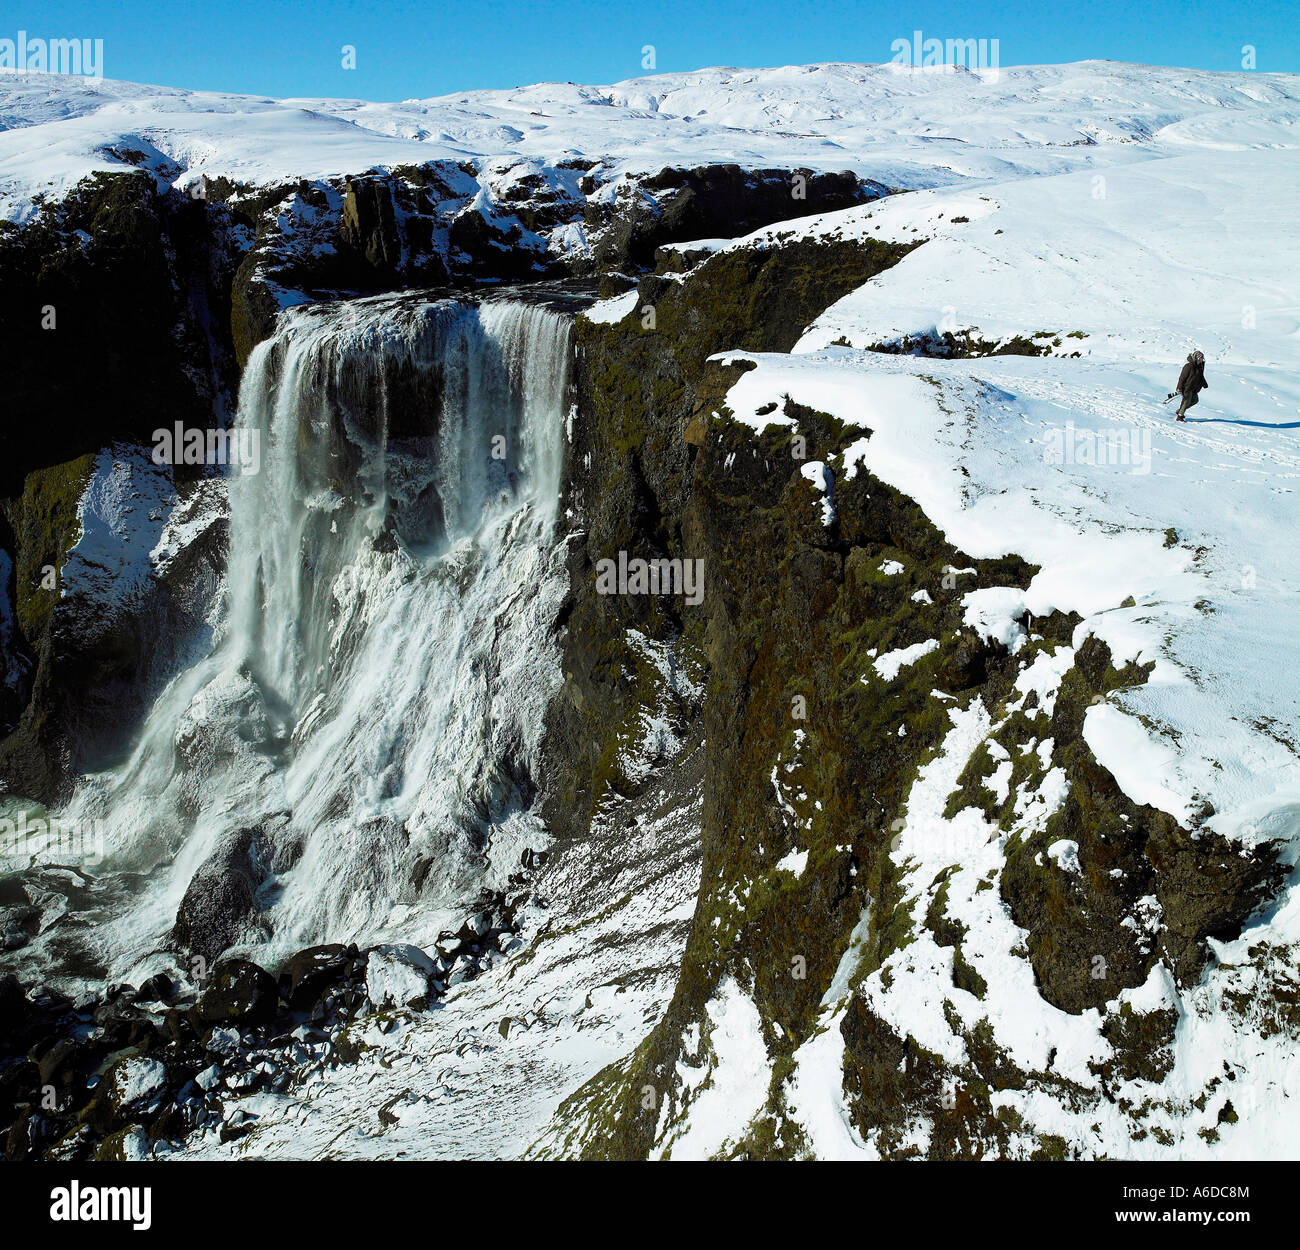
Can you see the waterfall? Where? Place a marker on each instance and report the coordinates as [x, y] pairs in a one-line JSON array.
[[374, 702]]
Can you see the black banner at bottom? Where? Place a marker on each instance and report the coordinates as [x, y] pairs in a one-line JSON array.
[[339, 1198]]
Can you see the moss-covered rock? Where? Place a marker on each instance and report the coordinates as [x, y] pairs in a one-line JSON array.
[[240, 994]]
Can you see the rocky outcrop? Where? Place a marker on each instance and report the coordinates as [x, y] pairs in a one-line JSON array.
[[810, 763], [307, 977], [114, 309], [96, 637], [646, 391], [368, 227], [43, 524], [398, 975], [239, 993], [710, 202], [444, 223]]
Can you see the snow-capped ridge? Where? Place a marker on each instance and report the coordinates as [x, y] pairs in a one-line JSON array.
[[871, 119]]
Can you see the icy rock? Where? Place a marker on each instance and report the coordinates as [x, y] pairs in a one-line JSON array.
[[136, 1084], [127, 1145], [398, 975], [223, 1042]]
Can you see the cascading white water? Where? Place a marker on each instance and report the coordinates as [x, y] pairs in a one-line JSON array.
[[375, 702]]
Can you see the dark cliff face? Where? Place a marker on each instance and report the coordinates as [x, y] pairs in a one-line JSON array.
[[646, 393], [437, 224], [93, 665], [115, 311], [713, 201], [114, 316]]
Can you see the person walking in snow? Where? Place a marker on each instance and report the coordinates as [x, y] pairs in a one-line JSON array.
[[1190, 383]]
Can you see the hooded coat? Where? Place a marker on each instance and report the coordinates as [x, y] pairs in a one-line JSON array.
[[1192, 379]]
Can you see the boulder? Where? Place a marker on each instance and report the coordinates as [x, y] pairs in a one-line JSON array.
[[116, 1005], [398, 976], [136, 1033], [25, 1136], [176, 1027], [127, 1145], [135, 1086], [220, 899], [20, 920], [478, 924], [240, 994], [311, 973], [63, 1064], [157, 989]]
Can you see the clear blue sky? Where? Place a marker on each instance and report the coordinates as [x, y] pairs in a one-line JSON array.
[[406, 49]]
